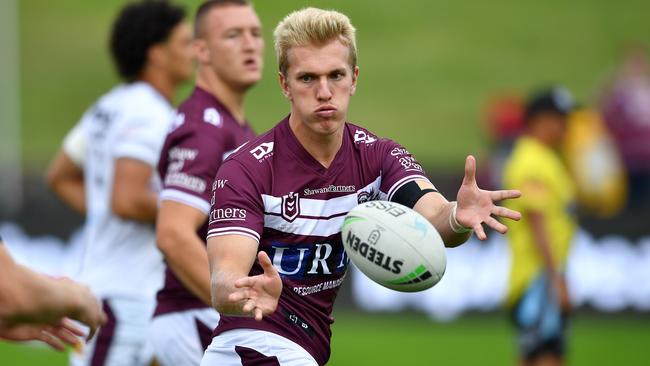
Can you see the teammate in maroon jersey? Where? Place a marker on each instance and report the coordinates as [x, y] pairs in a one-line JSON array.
[[209, 126], [282, 198]]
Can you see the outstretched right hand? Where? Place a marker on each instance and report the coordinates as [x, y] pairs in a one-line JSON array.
[[260, 294]]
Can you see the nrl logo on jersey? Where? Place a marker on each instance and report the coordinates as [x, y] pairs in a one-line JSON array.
[[290, 206]]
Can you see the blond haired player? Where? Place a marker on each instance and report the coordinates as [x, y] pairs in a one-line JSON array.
[[274, 243]]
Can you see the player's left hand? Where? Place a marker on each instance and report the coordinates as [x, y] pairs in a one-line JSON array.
[[476, 206], [260, 293]]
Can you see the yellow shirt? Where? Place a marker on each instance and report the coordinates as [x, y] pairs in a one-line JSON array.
[[546, 186]]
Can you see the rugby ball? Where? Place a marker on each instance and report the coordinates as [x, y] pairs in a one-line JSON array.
[[394, 246]]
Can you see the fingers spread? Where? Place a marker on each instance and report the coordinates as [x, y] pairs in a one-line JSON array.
[[504, 194], [258, 314], [496, 225], [480, 232], [246, 282], [249, 306], [239, 296], [266, 264], [507, 213], [470, 170]]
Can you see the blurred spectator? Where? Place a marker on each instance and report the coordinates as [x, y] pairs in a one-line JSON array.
[[537, 294], [595, 164], [625, 105]]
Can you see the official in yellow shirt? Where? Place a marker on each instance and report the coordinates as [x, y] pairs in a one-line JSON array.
[[540, 242]]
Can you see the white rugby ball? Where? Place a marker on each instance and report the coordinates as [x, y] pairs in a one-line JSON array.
[[394, 246]]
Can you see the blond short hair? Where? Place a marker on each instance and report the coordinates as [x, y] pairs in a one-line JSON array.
[[313, 26]]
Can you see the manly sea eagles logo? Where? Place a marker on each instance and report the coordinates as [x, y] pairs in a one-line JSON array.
[[290, 206]]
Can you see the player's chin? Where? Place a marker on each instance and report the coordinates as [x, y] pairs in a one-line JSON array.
[[249, 80], [329, 125]]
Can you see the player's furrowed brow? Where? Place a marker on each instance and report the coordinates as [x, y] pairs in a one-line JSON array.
[[302, 74]]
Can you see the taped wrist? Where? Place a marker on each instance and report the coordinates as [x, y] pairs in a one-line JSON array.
[[453, 222]]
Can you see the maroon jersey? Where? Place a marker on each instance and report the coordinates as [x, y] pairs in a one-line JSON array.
[[203, 135], [275, 192]]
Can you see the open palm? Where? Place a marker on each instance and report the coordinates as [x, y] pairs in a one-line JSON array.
[[260, 293], [476, 206]]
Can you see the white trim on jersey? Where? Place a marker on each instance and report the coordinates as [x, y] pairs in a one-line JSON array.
[[402, 182], [175, 195], [312, 207], [235, 230], [222, 350], [307, 226], [225, 155]]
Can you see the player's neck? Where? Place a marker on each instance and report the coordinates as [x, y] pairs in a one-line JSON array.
[[232, 99], [163, 85], [544, 137], [322, 147]]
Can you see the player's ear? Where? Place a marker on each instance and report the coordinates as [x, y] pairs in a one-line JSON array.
[[201, 51], [355, 77], [156, 55], [284, 85]]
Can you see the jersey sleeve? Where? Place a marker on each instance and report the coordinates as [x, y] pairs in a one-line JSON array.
[[75, 143], [236, 203], [141, 138], [192, 162], [398, 167]]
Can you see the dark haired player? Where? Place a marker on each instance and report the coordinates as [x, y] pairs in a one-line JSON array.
[[211, 125], [274, 243], [123, 133]]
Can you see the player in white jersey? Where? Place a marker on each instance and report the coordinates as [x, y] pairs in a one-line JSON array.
[[123, 133], [65, 174]]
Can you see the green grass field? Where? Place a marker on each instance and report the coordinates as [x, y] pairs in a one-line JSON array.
[[412, 339], [427, 67]]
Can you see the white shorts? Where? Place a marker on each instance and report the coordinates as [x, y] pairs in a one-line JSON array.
[[122, 341], [180, 338], [249, 346]]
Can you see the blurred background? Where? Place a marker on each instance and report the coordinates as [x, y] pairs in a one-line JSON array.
[[445, 79]]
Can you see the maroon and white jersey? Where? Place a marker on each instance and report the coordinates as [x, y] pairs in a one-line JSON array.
[[204, 133], [275, 192]]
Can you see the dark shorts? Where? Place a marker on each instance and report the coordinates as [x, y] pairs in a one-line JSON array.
[[541, 323]]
